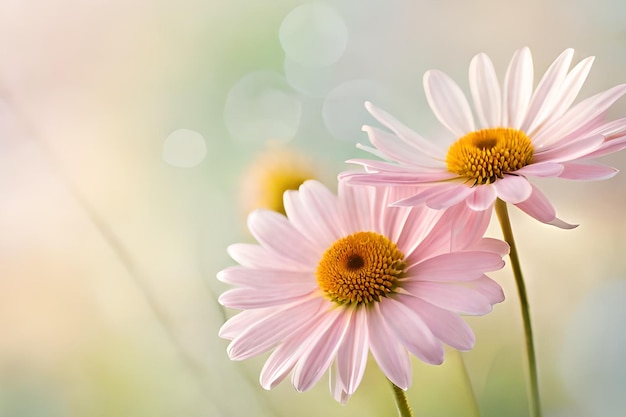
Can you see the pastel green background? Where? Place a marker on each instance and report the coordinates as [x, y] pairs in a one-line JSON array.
[[113, 222]]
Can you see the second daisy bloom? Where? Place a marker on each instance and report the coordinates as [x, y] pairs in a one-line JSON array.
[[341, 276], [515, 132]]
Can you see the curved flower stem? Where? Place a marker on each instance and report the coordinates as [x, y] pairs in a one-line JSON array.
[[474, 401], [404, 409], [507, 232]]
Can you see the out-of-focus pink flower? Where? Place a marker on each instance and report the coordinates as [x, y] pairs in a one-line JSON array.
[[518, 132], [341, 276]]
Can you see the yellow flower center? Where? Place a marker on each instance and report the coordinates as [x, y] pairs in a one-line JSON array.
[[271, 174], [276, 186], [360, 268], [486, 155]]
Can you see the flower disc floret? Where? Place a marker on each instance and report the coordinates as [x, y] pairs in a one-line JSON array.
[[360, 268], [485, 155]]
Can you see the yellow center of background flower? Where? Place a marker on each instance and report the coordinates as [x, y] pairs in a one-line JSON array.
[[276, 183], [360, 268], [271, 174], [486, 155]]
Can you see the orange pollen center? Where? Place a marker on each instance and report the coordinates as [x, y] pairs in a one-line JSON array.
[[485, 155], [360, 268]]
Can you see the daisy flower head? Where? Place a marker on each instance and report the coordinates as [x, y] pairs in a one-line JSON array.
[[343, 275], [271, 173], [515, 132]]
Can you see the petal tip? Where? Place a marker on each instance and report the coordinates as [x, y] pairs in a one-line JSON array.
[[221, 276], [561, 224]]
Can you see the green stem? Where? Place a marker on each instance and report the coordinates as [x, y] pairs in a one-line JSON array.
[[507, 232], [474, 401], [404, 409]]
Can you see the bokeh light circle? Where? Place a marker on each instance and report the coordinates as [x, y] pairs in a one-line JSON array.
[[310, 81], [314, 35], [344, 110], [184, 148], [262, 107], [592, 361]]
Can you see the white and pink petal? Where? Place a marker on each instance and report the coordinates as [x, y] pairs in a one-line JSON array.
[[513, 188], [518, 88], [448, 103], [451, 296], [398, 150], [256, 256], [562, 96], [541, 169], [412, 331], [572, 85], [570, 150], [482, 197], [320, 354], [388, 352], [539, 207], [404, 132], [489, 288], [240, 322], [355, 207], [353, 352], [609, 146], [486, 91], [444, 324], [587, 171], [454, 266], [337, 387], [380, 175], [544, 99], [580, 115], [284, 357], [467, 225], [272, 329], [275, 232], [488, 244], [244, 298], [315, 211], [438, 196]]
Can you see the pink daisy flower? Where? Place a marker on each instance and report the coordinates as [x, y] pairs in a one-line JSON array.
[[341, 276], [518, 133]]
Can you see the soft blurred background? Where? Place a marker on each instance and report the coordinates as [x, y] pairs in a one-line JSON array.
[[134, 135]]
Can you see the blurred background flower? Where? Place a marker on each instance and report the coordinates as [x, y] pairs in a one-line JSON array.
[[271, 173], [126, 128]]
